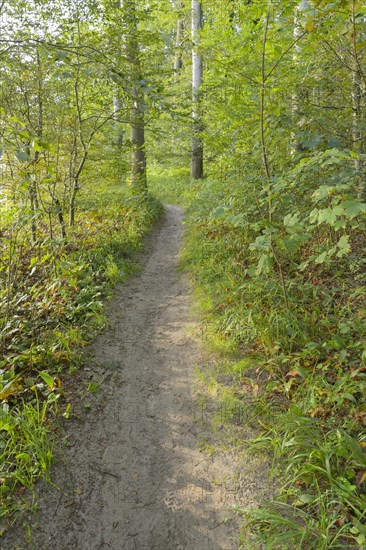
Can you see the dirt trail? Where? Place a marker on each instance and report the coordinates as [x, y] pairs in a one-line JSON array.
[[131, 476]]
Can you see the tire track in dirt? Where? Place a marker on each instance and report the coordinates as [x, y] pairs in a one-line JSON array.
[[131, 476]]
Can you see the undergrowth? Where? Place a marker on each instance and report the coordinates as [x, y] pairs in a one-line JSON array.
[[287, 297], [51, 306]]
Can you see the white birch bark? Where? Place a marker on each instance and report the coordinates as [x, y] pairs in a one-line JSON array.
[[197, 72], [304, 5], [357, 98], [178, 43]]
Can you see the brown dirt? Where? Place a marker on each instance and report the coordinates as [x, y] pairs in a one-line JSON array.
[[130, 475]]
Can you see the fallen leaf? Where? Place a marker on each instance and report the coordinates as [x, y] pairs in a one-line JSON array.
[[318, 411], [360, 478], [293, 373], [9, 389]]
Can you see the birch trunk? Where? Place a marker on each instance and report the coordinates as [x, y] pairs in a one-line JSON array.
[[357, 107], [304, 5], [197, 145], [178, 43]]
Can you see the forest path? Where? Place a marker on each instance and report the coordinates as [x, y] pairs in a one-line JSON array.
[[131, 476]]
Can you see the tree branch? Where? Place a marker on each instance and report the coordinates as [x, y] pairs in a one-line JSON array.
[[292, 45]]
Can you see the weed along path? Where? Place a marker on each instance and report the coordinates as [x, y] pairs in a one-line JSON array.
[[131, 475]]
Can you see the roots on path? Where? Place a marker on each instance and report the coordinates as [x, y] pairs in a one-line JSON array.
[[131, 476]]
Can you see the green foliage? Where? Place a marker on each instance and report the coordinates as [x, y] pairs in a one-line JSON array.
[[26, 445], [321, 505]]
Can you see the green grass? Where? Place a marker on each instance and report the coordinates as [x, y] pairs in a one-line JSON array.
[[26, 445]]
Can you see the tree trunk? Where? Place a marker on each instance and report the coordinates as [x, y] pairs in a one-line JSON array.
[[197, 144], [296, 57], [178, 43], [357, 108], [39, 131], [116, 112], [116, 96], [137, 137], [137, 124]]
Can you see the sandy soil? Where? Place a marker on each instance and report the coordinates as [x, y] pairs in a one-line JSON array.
[[130, 475]]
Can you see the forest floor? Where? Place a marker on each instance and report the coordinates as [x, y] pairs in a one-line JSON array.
[[132, 470]]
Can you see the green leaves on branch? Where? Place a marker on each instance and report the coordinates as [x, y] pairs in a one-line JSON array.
[[22, 156]]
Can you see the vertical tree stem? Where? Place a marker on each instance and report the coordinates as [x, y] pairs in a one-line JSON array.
[[265, 160]]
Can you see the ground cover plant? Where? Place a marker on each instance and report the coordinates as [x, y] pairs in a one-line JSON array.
[[51, 307], [303, 362]]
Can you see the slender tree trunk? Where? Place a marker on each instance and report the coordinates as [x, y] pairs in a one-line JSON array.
[[75, 186], [294, 97], [137, 136], [60, 216], [296, 57], [178, 63], [32, 199], [137, 123], [39, 131], [177, 66], [357, 116], [197, 71], [357, 108], [116, 96], [357, 130], [265, 156], [116, 112]]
